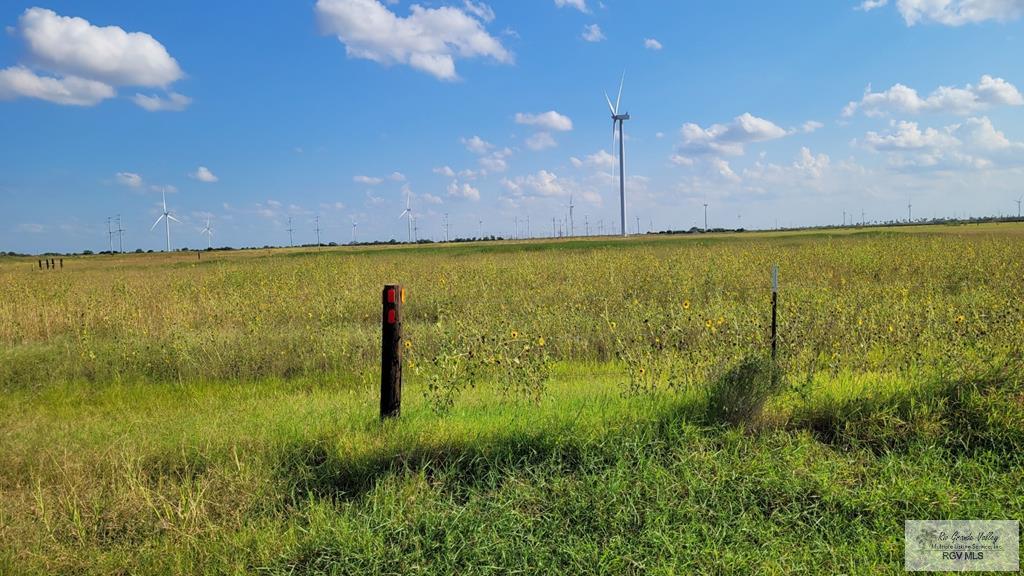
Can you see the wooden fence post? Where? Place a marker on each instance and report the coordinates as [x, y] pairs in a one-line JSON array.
[[775, 304], [391, 352]]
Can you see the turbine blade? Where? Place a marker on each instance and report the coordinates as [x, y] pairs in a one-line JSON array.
[[619, 97], [609, 100], [157, 222], [173, 218]]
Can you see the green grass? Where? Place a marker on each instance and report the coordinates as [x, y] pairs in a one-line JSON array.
[[298, 477], [162, 415]]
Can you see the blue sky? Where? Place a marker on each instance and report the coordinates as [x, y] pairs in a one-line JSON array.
[[771, 112]]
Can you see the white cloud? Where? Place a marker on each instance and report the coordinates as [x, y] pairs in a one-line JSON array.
[[88, 63], [368, 180], [130, 179], [496, 161], [956, 12], [480, 10], [730, 138], [981, 134], [723, 169], [905, 135], [445, 171], [811, 165], [868, 5], [174, 102], [680, 160], [811, 126], [397, 177], [20, 82], [580, 5], [599, 159], [203, 174], [74, 47], [974, 144], [428, 39], [652, 44], [477, 145], [544, 183], [592, 33], [550, 120], [464, 191], [541, 141], [899, 98]]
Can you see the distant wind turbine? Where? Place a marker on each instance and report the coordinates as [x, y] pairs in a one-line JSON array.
[[1018, 206], [209, 235], [407, 214], [355, 225], [620, 119], [166, 216]]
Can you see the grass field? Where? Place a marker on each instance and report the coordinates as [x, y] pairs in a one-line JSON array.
[[586, 406]]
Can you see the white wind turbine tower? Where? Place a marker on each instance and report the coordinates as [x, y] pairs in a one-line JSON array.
[[619, 119], [209, 235], [407, 214], [166, 217], [355, 225]]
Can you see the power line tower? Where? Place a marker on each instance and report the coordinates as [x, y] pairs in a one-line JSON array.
[[291, 237], [120, 236]]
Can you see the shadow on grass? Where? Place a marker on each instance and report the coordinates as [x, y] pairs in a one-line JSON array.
[[965, 417]]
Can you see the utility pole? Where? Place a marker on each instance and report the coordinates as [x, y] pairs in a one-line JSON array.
[[110, 237]]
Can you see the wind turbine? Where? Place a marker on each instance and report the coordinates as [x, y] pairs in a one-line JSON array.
[[572, 224], [620, 119], [407, 214], [209, 235], [166, 217], [291, 239], [355, 225], [1018, 206]]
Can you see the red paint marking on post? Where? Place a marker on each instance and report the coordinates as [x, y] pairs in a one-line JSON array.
[[391, 296], [391, 316]]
